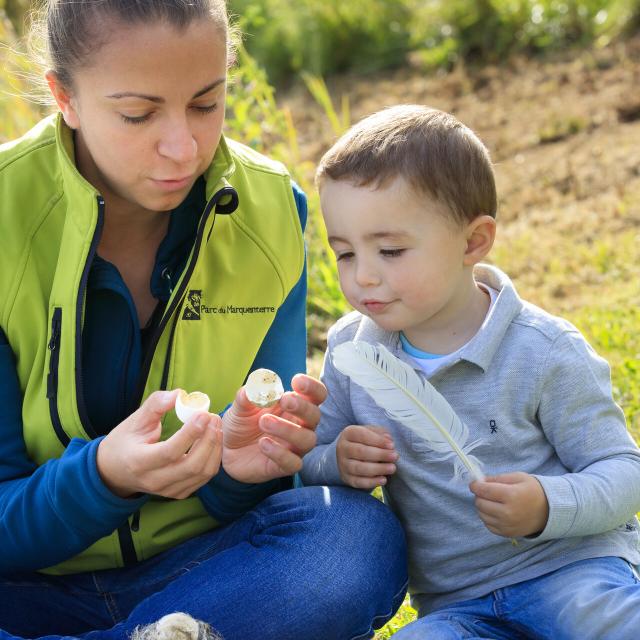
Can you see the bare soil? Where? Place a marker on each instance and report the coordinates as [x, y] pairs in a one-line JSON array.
[[564, 134]]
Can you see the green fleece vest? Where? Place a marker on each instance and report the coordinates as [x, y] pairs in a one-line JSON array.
[[239, 273]]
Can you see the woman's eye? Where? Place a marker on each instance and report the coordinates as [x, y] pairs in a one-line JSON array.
[[207, 109], [135, 119], [391, 253]]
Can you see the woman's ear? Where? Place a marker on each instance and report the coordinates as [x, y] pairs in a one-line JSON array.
[[480, 233], [64, 99]]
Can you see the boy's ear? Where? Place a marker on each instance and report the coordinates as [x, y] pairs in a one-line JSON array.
[[63, 99], [480, 233]]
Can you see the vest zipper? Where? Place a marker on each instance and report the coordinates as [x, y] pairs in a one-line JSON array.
[[52, 377], [178, 298], [93, 248]]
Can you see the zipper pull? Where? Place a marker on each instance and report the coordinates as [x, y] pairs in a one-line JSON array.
[[135, 521], [166, 275], [55, 332], [54, 343]]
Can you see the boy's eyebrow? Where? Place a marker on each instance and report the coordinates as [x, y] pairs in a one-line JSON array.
[[158, 99], [376, 235], [384, 235]]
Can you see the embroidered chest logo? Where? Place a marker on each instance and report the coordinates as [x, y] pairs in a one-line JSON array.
[[195, 308], [192, 305], [493, 426]]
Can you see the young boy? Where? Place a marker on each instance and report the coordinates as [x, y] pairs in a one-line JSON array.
[[546, 545]]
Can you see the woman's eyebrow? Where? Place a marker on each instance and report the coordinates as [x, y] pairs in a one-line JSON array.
[[158, 99]]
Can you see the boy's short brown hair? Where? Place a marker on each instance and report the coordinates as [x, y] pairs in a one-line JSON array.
[[431, 149]]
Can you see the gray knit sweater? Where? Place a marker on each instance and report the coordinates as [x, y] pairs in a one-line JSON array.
[[530, 387]]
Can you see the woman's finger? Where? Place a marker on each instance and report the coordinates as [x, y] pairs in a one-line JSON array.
[[292, 436], [286, 461]]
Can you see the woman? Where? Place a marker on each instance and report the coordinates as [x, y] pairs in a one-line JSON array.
[[115, 286]]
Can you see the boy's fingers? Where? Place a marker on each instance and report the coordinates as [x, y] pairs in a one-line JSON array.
[[358, 482], [508, 478], [488, 508], [496, 492], [369, 469], [356, 451], [371, 435]]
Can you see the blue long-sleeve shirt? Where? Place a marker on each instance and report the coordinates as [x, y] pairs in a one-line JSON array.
[[50, 513]]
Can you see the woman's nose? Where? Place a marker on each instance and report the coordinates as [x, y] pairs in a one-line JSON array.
[[178, 143]]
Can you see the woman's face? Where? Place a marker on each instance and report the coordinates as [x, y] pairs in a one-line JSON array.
[[148, 112]]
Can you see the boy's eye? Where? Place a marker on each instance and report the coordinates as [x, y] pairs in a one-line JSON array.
[[391, 253], [344, 255]]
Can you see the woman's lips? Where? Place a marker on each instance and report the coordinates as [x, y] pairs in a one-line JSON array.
[[173, 184]]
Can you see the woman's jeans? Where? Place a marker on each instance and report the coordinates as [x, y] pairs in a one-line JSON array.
[[312, 563], [597, 599]]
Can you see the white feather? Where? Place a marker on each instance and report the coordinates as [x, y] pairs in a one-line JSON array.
[[406, 398]]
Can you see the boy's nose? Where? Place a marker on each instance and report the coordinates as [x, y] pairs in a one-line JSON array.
[[366, 275]]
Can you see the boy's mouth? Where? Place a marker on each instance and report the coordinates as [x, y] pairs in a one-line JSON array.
[[375, 306]]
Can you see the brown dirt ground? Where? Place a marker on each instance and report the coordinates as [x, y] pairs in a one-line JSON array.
[[564, 134]]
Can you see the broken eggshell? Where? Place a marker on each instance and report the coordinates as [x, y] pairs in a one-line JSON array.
[[263, 387], [188, 404]]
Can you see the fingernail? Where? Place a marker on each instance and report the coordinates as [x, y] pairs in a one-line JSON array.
[[202, 420], [267, 424], [266, 445]]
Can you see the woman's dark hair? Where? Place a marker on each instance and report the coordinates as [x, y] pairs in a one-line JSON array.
[[65, 33]]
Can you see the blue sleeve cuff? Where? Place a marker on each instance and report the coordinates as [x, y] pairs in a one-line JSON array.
[[227, 499]]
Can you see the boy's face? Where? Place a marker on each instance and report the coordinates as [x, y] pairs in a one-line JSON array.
[[401, 257]]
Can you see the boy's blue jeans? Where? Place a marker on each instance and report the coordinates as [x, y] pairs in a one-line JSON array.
[[596, 599], [312, 563]]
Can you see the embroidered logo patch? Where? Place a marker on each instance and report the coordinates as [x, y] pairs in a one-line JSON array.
[[195, 307]]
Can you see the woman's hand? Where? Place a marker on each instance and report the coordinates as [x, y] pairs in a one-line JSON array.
[[131, 459], [263, 444]]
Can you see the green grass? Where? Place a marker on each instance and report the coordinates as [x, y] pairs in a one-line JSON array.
[[288, 36], [329, 36]]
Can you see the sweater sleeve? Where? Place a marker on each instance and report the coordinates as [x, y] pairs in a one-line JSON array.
[[320, 465], [52, 512], [284, 350], [587, 429]]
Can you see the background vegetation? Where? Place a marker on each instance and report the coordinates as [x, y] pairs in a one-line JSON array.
[[575, 256]]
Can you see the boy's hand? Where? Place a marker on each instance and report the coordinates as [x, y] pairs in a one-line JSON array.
[[365, 456], [511, 504]]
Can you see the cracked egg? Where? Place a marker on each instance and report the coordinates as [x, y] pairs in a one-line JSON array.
[[187, 404], [264, 387]]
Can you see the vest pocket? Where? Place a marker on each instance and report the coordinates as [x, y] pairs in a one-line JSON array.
[[52, 377]]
